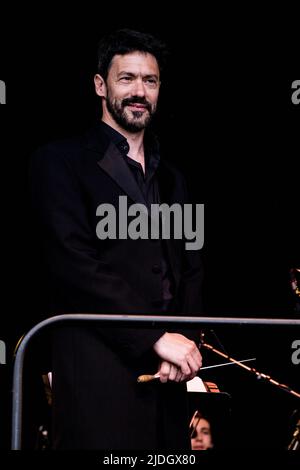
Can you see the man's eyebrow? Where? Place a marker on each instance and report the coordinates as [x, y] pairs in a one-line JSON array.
[[131, 74], [151, 75], [125, 72]]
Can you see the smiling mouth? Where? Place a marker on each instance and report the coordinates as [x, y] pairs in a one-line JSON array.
[[138, 106]]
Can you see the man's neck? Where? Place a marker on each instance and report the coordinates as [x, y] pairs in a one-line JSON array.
[[134, 139]]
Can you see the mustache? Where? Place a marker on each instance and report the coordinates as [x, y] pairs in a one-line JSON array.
[[136, 99]]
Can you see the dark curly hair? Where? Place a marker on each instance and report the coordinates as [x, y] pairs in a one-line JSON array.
[[124, 41]]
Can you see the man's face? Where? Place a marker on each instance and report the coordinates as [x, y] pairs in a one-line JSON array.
[[132, 89]]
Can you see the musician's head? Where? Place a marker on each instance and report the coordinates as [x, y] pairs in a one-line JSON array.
[[201, 437]]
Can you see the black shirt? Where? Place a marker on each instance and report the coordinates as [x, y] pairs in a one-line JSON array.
[[148, 185]]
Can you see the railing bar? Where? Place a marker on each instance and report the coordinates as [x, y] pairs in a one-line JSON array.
[[17, 393]]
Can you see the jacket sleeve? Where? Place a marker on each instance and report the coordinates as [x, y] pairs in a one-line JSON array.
[[71, 257]]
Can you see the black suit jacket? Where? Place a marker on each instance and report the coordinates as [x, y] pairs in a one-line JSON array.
[[95, 370]]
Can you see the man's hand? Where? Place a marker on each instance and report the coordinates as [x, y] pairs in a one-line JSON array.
[[168, 371], [181, 352]]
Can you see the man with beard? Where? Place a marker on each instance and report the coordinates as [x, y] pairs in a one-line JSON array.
[[97, 401]]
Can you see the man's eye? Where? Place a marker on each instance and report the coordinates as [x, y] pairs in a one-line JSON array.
[[126, 79], [151, 81]]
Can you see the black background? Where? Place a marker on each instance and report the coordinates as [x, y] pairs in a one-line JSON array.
[[228, 122]]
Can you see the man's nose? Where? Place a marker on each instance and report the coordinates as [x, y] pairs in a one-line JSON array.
[[139, 88]]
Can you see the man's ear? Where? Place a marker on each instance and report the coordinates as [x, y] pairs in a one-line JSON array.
[[100, 86]]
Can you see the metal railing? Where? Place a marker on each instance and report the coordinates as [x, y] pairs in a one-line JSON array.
[[17, 392]]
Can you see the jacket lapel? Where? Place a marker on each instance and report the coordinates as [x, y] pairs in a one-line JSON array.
[[115, 166], [110, 160]]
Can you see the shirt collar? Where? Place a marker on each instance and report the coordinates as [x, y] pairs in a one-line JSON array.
[[118, 139], [151, 145]]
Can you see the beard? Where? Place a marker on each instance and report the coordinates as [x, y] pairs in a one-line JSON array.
[[131, 121]]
